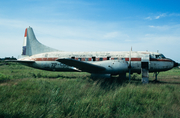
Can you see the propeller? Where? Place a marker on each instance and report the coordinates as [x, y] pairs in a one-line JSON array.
[[129, 66]]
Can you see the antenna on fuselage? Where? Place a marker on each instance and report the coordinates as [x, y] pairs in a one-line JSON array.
[[129, 66]]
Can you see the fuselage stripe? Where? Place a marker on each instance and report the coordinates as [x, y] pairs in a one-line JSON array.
[[98, 59]]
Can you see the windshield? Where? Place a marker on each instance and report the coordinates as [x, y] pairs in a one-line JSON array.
[[161, 56]]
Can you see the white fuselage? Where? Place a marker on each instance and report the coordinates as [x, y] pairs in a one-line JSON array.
[[47, 61]]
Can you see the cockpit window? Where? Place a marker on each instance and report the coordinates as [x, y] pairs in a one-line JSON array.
[[161, 56], [152, 56], [157, 57]]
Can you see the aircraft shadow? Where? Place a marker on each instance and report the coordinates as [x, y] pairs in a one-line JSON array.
[[112, 83]]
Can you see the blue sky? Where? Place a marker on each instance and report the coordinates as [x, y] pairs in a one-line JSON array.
[[92, 25]]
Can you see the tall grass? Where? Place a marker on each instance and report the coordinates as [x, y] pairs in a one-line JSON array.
[[52, 94]]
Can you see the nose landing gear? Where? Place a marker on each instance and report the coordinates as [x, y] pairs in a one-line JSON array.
[[155, 74]]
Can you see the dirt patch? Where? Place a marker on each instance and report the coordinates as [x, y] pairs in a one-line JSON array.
[[11, 82], [3, 84], [170, 80]]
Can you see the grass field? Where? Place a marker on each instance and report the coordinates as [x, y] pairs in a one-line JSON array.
[[28, 92]]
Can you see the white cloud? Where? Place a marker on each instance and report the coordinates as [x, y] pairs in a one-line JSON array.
[[128, 40], [148, 18], [115, 35], [149, 35], [151, 26], [111, 35], [170, 28], [12, 23], [157, 17], [153, 17], [174, 14], [161, 15]]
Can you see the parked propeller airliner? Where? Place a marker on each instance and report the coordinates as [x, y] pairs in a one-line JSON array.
[[99, 64]]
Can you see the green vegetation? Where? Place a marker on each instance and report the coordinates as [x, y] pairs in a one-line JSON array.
[[28, 92]]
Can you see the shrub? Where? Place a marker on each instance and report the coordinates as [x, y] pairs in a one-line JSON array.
[[4, 77]]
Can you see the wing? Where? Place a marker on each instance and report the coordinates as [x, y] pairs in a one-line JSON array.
[[84, 66]]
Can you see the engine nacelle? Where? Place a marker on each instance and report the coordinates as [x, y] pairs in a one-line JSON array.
[[113, 66]]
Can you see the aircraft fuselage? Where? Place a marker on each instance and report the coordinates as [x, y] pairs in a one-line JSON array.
[[47, 61]]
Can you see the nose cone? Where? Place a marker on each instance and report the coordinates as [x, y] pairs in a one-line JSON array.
[[175, 64]]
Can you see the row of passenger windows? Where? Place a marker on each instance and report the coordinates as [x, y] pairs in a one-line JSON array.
[[94, 59]]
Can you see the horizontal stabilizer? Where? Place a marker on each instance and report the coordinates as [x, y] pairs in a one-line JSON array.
[[84, 66], [20, 61]]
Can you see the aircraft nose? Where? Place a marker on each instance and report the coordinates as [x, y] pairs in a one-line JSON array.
[[175, 64]]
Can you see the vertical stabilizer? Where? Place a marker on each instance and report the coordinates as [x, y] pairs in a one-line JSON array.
[[32, 46]]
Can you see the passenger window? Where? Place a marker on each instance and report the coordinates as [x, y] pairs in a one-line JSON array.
[[100, 59]]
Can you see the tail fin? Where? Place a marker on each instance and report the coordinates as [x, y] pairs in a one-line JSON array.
[[32, 46]]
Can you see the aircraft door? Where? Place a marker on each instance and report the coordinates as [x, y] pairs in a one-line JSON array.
[[145, 68]]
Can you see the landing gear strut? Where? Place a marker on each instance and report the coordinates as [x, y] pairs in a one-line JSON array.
[[156, 74]]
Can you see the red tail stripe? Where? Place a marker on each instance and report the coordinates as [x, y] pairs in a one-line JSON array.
[[25, 35]]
